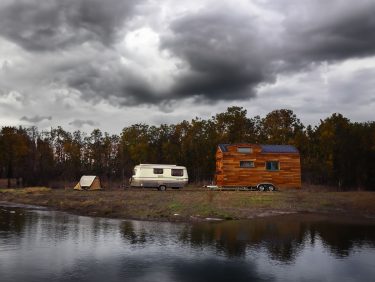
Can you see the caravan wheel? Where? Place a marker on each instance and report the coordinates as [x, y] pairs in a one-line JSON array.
[[162, 188]]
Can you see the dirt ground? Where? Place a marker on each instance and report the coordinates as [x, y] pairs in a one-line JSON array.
[[193, 204]]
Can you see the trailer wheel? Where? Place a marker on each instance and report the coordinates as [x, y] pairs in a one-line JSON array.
[[162, 188], [271, 188], [261, 187]]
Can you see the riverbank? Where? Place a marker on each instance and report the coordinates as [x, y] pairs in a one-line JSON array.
[[192, 204]]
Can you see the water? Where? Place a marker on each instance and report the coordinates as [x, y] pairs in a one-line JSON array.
[[39, 245]]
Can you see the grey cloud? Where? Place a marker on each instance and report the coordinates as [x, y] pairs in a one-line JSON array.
[[35, 119], [79, 123], [228, 54], [350, 92], [106, 78], [223, 52], [320, 30], [54, 24]]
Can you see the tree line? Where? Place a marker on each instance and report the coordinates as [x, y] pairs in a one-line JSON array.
[[337, 152]]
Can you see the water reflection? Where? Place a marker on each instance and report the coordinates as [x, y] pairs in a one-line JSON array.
[[138, 238], [37, 245], [283, 237]]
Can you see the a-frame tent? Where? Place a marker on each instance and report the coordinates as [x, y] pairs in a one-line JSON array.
[[88, 182]]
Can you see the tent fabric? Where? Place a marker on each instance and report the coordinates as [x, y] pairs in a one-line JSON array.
[[77, 187], [88, 182]]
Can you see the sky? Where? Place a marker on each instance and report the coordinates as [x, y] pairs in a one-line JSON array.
[[85, 64]]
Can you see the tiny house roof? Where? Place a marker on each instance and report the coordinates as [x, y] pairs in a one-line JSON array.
[[265, 148], [87, 180]]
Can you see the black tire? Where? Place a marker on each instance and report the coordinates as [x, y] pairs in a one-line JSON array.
[[261, 187], [162, 188], [271, 188]]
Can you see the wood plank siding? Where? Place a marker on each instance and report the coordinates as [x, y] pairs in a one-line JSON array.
[[248, 167]]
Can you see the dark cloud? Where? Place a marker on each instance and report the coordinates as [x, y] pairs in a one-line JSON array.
[[228, 54], [224, 54], [35, 119], [79, 123], [54, 24], [320, 30], [106, 78]]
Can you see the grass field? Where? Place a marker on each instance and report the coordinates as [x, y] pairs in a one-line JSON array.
[[192, 203]]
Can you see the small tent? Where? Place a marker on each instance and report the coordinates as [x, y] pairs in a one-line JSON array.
[[88, 182]]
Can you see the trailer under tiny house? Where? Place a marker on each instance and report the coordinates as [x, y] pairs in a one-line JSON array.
[[261, 167]]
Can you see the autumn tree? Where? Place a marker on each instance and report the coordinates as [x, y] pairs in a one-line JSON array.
[[336, 152], [13, 150], [281, 127], [135, 146], [233, 126]]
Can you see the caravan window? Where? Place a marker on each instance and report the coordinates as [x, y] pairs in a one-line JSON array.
[[158, 171], [177, 172]]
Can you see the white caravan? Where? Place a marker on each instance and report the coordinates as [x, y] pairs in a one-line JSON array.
[[159, 176]]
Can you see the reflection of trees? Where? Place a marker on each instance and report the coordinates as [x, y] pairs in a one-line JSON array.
[[341, 237], [128, 232], [281, 237], [12, 222], [12, 225]]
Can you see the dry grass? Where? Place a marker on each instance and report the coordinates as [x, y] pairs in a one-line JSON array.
[[192, 203], [27, 190]]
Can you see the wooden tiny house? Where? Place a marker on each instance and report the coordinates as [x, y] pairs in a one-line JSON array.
[[258, 166]]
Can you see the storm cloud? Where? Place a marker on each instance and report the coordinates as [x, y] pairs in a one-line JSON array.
[[228, 53], [224, 54], [318, 31], [56, 24], [163, 54]]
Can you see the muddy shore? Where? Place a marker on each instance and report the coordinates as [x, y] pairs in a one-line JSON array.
[[193, 204]]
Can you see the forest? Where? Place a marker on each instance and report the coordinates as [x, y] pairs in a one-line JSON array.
[[336, 152]]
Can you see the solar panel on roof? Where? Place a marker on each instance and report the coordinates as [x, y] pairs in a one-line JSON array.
[[223, 147], [278, 149], [267, 148]]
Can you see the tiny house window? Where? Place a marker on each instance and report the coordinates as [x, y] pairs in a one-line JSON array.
[[158, 171], [247, 164], [245, 150], [272, 165], [177, 172]]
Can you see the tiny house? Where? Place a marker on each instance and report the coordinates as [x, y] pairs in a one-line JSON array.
[[262, 167], [159, 176]]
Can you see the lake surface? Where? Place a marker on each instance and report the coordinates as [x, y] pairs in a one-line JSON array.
[[40, 245]]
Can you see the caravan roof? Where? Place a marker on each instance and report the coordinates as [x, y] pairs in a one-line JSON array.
[[160, 166]]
